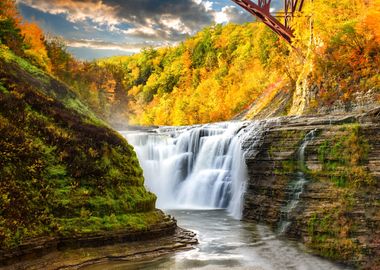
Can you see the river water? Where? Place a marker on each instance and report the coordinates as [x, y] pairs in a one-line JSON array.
[[199, 176], [227, 243]]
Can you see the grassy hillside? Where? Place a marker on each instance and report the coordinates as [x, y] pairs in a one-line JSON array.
[[62, 170]]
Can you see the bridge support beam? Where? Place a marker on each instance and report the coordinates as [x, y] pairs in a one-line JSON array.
[[262, 10]]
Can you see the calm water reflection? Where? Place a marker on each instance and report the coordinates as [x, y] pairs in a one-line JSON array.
[[225, 243]]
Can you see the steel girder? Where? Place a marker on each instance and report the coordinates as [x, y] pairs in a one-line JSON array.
[[262, 11]]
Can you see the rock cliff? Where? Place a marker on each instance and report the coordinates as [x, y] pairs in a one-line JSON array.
[[335, 210]]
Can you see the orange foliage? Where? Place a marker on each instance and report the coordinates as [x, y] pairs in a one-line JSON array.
[[8, 10], [371, 21], [36, 49], [33, 35]]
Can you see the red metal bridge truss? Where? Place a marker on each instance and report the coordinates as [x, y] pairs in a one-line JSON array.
[[261, 9]]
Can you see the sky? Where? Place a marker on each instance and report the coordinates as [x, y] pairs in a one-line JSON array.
[[102, 28]]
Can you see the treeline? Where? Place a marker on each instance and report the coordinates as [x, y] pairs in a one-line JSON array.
[[24, 38], [100, 87], [345, 52], [223, 69], [209, 77]]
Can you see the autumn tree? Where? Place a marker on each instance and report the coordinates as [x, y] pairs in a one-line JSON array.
[[10, 34], [35, 47]]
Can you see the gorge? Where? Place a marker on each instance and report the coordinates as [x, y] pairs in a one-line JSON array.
[[271, 171], [262, 154]]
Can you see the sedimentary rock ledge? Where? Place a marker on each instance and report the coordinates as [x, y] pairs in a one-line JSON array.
[[338, 212], [134, 251]]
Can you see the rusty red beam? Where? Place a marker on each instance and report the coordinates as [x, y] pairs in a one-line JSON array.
[[261, 10], [290, 8]]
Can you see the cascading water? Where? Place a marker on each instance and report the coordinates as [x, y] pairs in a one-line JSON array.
[[194, 167], [297, 186], [204, 167]]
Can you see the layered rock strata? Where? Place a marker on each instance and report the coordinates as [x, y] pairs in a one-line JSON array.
[[337, 211]]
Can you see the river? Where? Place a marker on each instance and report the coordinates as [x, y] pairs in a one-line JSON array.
[[199, 176], [227, 243]]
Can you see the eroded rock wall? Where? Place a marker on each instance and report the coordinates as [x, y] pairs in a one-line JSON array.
[[338, 212]]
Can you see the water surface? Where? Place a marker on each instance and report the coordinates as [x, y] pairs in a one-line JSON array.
[[227, 243]]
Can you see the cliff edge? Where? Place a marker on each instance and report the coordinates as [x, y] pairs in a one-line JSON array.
[[316, 179]]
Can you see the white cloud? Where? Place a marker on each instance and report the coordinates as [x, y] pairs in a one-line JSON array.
[[101, 45], [175, 24], [221, 16], [76, 11], [208, 5], [149, 31], [231, 14]]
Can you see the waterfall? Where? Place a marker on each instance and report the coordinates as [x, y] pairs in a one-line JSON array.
[[297, 186], [195, 167]]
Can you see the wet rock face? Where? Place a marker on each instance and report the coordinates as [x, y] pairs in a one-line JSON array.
[[338, 211]]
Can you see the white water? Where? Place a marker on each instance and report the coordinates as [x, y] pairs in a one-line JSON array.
[[203, 167], [196, 167]]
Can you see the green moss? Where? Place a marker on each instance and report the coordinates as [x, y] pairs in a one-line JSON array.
[[49, 88], [3, 89], [62, 170], [131, 200], [329, 234], [10, 57], [91, 224], [289, 166], [56, 171], [76, 104], [344, 156]]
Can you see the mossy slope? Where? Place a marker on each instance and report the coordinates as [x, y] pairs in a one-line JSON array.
[[62, 171]]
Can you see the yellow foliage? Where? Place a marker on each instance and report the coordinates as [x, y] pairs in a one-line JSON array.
[[222, 70]]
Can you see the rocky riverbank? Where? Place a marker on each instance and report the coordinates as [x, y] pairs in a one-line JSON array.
[[337, 211], [135, 247]]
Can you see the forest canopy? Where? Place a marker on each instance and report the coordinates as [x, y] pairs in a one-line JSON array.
[[222, 70]]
